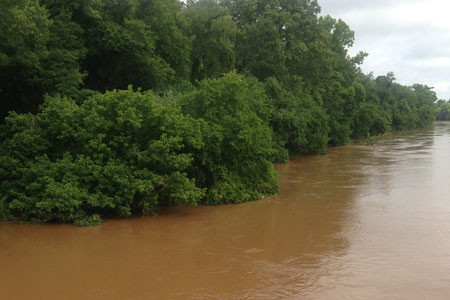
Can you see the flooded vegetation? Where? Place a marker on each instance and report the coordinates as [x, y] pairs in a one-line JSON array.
[[116, 111], [362, 222]]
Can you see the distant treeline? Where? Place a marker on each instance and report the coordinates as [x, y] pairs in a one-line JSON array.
[[118, 107], [443, 110]]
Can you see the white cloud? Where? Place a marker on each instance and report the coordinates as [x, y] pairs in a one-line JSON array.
[[410, 38]]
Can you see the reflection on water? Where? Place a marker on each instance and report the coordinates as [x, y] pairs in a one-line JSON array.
[[362, 222]]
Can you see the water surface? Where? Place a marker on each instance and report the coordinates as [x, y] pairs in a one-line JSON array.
[[362, 222]]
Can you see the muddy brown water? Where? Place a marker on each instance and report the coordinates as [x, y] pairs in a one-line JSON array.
[[362, 222]]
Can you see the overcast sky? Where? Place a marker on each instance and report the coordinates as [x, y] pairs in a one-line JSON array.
[[410, 38]]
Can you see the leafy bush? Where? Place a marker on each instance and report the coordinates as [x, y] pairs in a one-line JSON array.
[[89, 221], [123, 152], [298, 123], [117, 153], [234, 165], [370, 120]]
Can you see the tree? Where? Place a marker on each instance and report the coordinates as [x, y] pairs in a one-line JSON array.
[[234, 165], [214, 31], [443, 110], [171, 31], [299, 125], [39, 53], [261, 51], [121, 50], [117, 153]]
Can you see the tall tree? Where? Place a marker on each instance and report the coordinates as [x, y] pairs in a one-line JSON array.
[[39, 53], [172, 33], [214, 31]]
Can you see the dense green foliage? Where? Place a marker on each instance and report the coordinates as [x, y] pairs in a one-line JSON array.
[[443, 110], [235, 163], [118, 152], [115, 107]]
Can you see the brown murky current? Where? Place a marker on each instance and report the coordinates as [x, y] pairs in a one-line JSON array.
[[362, 222]]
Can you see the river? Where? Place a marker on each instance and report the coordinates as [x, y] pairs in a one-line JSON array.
[[362, 222]]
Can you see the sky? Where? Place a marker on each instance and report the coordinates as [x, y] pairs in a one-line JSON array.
[[410, 38]]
